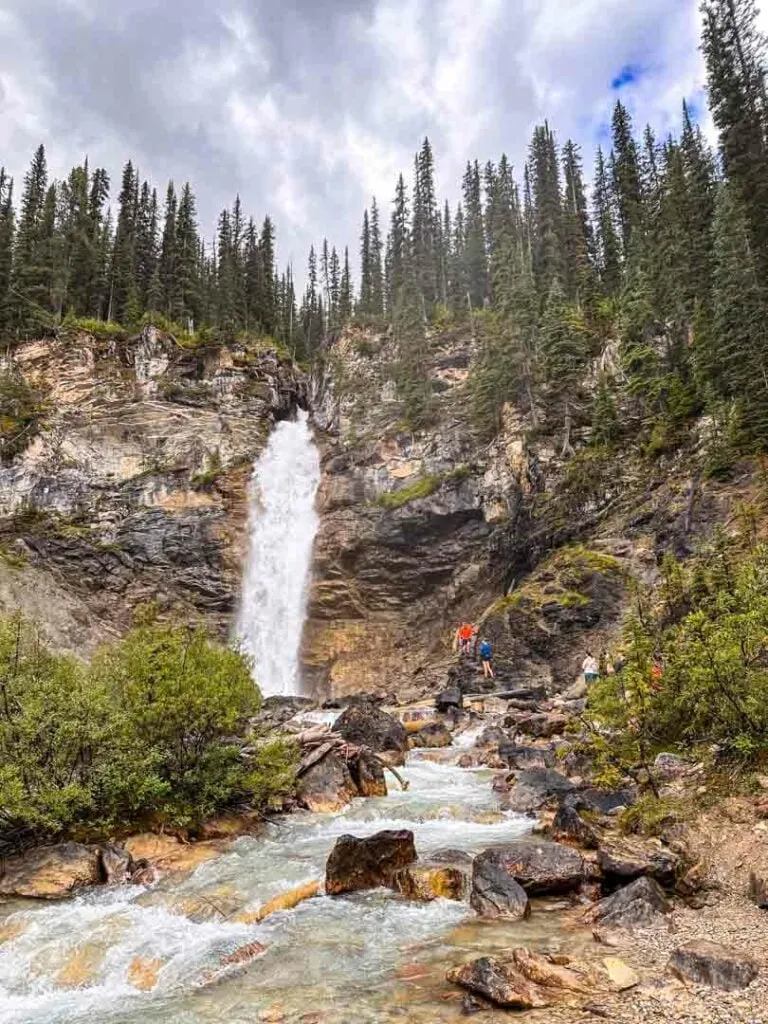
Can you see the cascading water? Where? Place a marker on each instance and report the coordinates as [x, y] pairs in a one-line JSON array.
[[283, 523]]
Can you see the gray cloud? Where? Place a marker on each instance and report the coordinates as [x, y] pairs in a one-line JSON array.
[[306, 107]]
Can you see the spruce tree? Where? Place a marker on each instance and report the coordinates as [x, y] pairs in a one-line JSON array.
[[375, 263], [425, 231], [123, 305], [7, 232], [185, 292], [28, 290], [365, 303], [411, 366], [578, 236], [548, 226], [267, 301], [345, 292], [625, 169], [607, 240], [474, 256], [565, 349], [398, 245]]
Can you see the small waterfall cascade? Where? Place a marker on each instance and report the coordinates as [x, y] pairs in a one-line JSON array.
[[283, 523]]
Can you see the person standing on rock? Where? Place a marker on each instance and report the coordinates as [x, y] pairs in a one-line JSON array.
[[464, 636], [486, 658], [589, 667]]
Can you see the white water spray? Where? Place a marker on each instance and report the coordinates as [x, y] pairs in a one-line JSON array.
[[283, 523]]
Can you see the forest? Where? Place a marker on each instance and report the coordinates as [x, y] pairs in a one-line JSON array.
[[660, 258]]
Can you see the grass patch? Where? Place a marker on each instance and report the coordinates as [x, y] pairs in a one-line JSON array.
[[413, 492]]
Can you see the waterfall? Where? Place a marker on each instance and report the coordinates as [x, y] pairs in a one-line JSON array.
[[283, 523]]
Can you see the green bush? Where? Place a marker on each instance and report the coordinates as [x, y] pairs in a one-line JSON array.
[[148, 732], [103, 329], [20, 414], [422, 488], [706, 628]]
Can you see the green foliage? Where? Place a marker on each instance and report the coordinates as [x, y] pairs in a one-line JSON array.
[[21, 411], [142, 734], [707, 628], [652, 815], [421, 488], [101, 329]]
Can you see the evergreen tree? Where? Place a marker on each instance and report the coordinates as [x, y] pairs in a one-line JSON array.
[[28, 290], [474, 256], [565, 351], [365, 304], [185, 292], [411, 367], [626, 175], [123, 305], [426, 227], [168, 252], [7, 232], [375, 263], [734, 50], [607, 240], [578, 236], [548, 263], [345, 292], [398, 246], [267, 301], [146, 242]]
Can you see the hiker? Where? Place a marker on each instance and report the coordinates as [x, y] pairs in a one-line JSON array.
[[486, 658], [589, 667], [464, 636]]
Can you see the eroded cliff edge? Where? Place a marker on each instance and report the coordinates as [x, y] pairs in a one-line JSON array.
[[132, 485]]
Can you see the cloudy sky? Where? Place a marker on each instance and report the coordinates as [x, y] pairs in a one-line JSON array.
[[307, 107]]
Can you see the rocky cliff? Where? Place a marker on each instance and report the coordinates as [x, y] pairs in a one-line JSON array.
[[131, 483], [420, 531]]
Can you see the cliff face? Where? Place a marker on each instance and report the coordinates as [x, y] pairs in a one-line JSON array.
[[134, 488], [422, 531]]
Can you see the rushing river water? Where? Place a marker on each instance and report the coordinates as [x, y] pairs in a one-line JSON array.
[[339, 960]]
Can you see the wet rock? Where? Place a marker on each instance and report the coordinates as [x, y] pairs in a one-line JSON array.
[[429, 881], [495, 893], [116, 864], [541, 868], [758, 890], [525, 758], [435, 734], [364, 724], [275, 711], [449, 856], [51, 872], [622, 860], [143, 873], [521, 980], [328, 786], [491, 736], [537, 787], [367, 773], [569, 827], [167, 853], [450, 699], [637, 905], [707, 963], [357, 864], [143, 972], [607, 801], [542, 726]]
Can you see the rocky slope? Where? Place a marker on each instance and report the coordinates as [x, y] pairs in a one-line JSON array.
[[133, 489], [420, 531]]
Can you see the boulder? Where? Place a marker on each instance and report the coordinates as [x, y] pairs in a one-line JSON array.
[[51, 872], [430, 881], [578, 691], [365, 724], [637, 905], [495, 893], [707, 963], [450, 699], [491, 736], [521, 980], [622, 860], [524, 758], [116, 864], [620, 975], [541, 868], [460, 858], [607, 801], [367, 773], [356, 864], [328, 785], [543, 726], [569, 827], [434, 734], [671, 767], [537, 787], [758, 889]]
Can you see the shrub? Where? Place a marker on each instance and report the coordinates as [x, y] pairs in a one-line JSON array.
[[148, 731], [20, 414], [421, 488], [103, 329]]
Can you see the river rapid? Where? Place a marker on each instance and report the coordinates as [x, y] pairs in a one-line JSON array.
[[369, 957]]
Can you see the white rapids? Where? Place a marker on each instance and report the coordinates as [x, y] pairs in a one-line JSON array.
[[283, 523], [337, 957]]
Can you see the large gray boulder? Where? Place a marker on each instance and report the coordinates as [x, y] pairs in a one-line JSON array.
[[536, 788], [622, 860], [495, 893], [366, 725], [638, 905], [541, 868], [370, 863], [707, 963]]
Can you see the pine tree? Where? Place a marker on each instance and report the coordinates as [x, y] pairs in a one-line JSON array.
[[185, 292], [565, 351], [168, 251], [146, 242], [375, 263], [410, 372], [578, 236], [345, 292], [123, 305], [7, 232], [365, 304], [267, 300], [548, 227], [425, 232], [605, 419], [607, 240], [625, 170], [100, 245], [334, 289], [28, 298], [474, 255], [734, 50], [398, 246]]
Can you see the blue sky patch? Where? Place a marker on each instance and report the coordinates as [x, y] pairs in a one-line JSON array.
[[627, 76]]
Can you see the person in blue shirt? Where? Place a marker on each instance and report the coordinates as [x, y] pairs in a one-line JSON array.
[[486, 658]]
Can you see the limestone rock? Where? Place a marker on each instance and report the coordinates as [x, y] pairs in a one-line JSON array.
[[328, 786], [620, 975], [429, 881], [707, 963], [522, 980], [167, 853], [622, 860], [357, 864], [51, 872], [541, 868], [116, 864], [495, 893], [525, 758], [536, 788], [434, 734], [365, 724], [637, 905]]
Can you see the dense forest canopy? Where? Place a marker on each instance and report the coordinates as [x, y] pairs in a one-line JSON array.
[[665, 252]]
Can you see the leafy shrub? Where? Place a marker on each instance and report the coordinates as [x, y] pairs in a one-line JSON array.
[[148, 731], [706, 630], [103, 329]]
